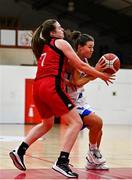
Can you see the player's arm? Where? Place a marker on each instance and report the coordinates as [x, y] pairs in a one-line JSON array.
[[70, 84], [78, 64], [80, 81]]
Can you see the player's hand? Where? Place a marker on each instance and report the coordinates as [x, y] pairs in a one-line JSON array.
[[110, 78], [101, 65]]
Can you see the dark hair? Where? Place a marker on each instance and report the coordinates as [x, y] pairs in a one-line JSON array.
[[41, 36], [77, 38], [68, 35]]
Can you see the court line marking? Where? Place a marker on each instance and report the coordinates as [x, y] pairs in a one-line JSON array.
[[13, 138], [79, 169]]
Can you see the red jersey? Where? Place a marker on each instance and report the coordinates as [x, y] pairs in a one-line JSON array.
[[51, 61], [49, 91]]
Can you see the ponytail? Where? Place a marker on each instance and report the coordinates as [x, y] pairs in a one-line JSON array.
[[37, 42], [76, 35], [41, 36], [72, 36], [80, 39]]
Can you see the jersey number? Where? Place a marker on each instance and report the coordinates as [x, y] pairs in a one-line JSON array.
[[43, 56]]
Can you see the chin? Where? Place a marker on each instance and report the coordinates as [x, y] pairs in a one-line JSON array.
[[88, 57]]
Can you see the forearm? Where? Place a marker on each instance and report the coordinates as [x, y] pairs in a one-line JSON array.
[[89, 70], [84, 80], [75, 61]]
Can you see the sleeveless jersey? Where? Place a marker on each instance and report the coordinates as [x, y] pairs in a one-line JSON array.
[[79, 99], [78, 94], [51, 61], [49, 92]]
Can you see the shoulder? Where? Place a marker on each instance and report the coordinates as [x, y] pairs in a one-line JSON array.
[[63, 45], [60, 42]]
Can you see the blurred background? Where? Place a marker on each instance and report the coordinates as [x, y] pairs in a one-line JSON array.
[[109, 21]]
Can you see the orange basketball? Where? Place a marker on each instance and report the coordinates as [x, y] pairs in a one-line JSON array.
[[112, 63]]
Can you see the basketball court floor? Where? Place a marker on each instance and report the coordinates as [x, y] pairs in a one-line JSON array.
[[116, 147]]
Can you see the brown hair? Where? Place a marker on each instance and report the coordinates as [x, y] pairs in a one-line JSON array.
[[76, 38], [41, 36], [80, 39]]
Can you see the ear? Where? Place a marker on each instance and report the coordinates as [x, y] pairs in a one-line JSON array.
[[52, 33], [79, 47]]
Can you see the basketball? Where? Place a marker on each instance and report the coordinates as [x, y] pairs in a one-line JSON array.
[[112, 63]]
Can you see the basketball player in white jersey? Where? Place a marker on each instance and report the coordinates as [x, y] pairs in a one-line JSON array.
[[84, 46]]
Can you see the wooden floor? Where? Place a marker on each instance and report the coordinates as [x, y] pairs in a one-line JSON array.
[[116, 147]]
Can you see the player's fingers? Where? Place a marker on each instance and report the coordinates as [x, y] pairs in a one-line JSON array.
[[109, 81], [110, 75], [101, 60], [106, 83], [112, 78], [103, 67], [113, 75], [102, 64]]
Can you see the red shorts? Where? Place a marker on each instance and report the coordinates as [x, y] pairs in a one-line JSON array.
[[50, 97]]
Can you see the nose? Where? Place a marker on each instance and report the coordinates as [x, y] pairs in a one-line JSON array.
[[92, 50]]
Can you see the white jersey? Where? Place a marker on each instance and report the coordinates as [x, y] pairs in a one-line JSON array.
[[78, 96], [74, 94]]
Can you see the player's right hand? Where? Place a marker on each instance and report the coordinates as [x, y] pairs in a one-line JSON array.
[[108, 78]]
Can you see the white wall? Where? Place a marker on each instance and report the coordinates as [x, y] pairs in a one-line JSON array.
[[113, 109], [12, 92]]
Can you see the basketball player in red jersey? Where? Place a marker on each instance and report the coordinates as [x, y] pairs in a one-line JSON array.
[[50, 97]]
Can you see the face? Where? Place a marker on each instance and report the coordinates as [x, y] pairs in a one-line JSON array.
[[59, 31], [86, 51]]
